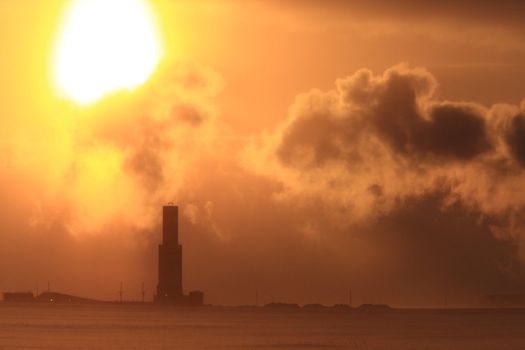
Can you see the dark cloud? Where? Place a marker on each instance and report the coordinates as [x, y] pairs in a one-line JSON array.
[[457, 131], [148, 166], [374, 142], [318, 133], [404, 117], [188, 113], [397, 109], [516, 138]]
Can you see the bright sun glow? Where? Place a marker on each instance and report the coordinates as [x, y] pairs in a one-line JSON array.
[[105, 46]]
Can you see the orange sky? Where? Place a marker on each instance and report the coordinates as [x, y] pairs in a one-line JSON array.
[[295, 173]]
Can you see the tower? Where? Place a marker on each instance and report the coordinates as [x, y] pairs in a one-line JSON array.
[[169, 289]]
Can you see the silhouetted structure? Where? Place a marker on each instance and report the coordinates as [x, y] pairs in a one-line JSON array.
[[169, 288], [283, 306], [196, 298], [505, 300], [315, 307], [374, 307], [18, 296], [54, 297], [46, 297]]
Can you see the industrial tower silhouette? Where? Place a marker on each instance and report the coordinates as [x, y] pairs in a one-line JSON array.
[[169, 288]]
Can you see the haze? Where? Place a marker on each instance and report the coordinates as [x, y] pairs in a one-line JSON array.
[[312, 149]]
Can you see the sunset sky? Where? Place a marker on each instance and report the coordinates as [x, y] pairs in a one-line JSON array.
[[312, 146]]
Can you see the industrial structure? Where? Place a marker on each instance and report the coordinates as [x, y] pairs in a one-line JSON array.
[[169, 288], [505, 301], [46, 297]]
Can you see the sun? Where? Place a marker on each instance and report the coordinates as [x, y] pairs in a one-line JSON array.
[[105, 46]]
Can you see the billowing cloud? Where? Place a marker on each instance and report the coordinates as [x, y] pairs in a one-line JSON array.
[[396, 109], [375, 141], [515, 137]]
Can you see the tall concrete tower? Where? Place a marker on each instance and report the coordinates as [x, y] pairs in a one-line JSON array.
[[169, 289]]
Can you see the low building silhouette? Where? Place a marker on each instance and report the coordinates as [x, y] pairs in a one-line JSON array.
[[283, 306], [505, 301], [315, 307], [61, 298], [18, 297], [374, 307], [196, 298], [46, 297]]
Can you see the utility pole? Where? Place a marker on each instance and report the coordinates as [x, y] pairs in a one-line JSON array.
[[350, 297], [120, 292], [143, 292], [48, 287], [256, 298]]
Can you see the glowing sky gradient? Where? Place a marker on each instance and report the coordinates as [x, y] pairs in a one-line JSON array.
[[312, 147]]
